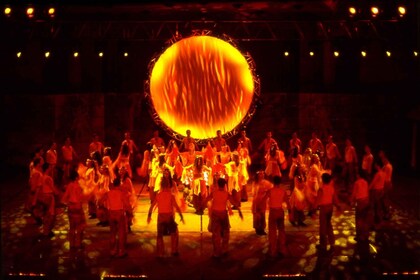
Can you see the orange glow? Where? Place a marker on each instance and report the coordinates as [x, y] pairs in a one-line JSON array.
[[375, 11], [401, 11], [30, 12], [201, 83], [51, 12]]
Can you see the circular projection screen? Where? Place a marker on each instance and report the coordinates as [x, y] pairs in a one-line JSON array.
[[204, 84]]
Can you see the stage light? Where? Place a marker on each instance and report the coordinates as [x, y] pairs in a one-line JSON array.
[[415, 53], [352, 11], [388, 53], [75, 54], [336, 54], [101, 54], [311, 53], [18, 54], [401, 11], [126, 54], [286, 53], [363, 53], [51, 12], [30, 12], [7, 11], [47, 54], [374, 11]]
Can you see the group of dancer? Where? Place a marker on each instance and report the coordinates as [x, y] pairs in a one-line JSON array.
[[213, 177]]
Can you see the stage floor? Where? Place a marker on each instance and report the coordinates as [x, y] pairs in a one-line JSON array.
[[393, 249]]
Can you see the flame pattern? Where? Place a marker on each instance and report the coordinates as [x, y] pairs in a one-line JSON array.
[[201, 83]]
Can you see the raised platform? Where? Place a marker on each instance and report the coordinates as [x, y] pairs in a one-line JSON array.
[[393, 250]]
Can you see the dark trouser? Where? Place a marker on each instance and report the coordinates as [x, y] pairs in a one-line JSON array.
[[259, 219], [237, 197], [350, 175], [276, 232], [166, 225], [102, 213], [325, 227], [77, 224], [220, 227], [118, 225], [46, 209], [362, 219], [198, 203], [92, 205], [377, 197], [298, 216], [244, 193], [330, 163]]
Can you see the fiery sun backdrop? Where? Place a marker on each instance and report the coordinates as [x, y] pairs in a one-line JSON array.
[[201, 83]]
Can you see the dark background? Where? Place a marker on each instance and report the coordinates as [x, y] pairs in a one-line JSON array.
[[372, 100]]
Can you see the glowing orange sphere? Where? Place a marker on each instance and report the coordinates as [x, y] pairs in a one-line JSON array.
[[203, 84]]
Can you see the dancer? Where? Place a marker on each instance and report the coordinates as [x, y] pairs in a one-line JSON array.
[[128, 188], [367, 163], [157, 140], [46, 200], [298, 202], [325, 201], [259, 202], [118, 205], [102, 188], [96, 145], [360, 199], [165, 202], [186, 141], [313, 184], [69, 155], [219, 141], [220, 226], [274, 160], [332, 154], [276, 233], [74, 198]]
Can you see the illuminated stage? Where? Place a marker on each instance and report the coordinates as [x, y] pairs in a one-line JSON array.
[[393, 249]]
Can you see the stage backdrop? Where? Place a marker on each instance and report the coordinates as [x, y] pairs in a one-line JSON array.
[[382, 120]]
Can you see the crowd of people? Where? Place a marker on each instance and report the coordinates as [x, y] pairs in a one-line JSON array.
[[303, 180]]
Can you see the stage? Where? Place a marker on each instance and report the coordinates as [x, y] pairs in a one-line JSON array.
[[392, 251]]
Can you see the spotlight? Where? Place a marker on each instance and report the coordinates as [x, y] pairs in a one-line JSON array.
[[336, 53], [311, 53], [125, 54], [363, 53], [401, 11], [47, 54], [415, 53], [51, 12], [374, 11], [101, 54], [286, 53], [18, 54], [388, 53], [30, 12], [75, 54], [7, 11], [352, 11]]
